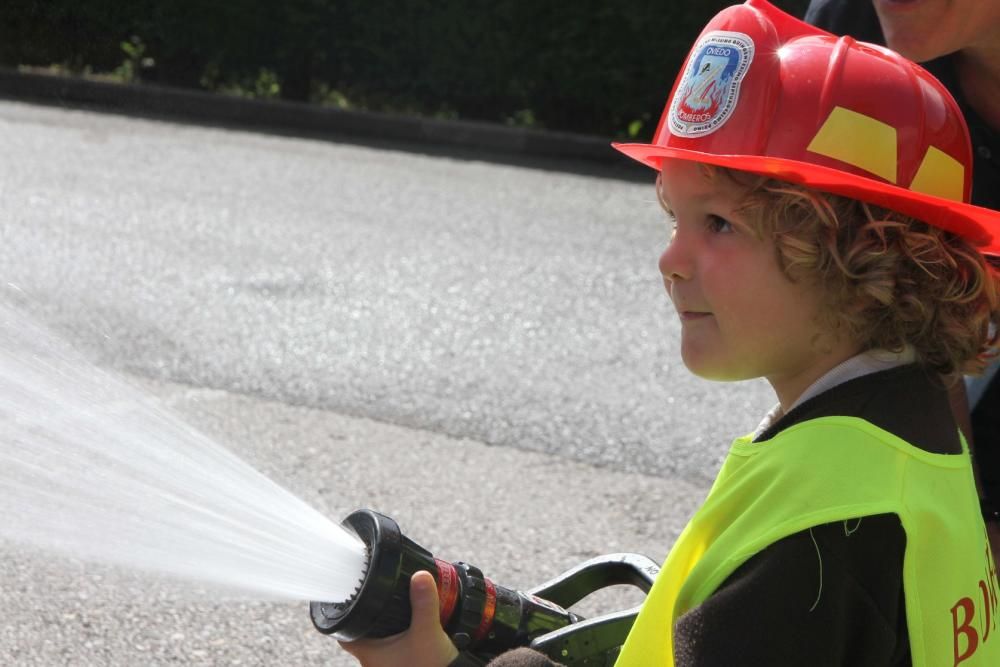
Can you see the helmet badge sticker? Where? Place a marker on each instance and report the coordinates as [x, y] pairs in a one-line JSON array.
[[708, 92]]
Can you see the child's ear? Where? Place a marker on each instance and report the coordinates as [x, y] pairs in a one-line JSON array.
[[833, 335], [823, 342]]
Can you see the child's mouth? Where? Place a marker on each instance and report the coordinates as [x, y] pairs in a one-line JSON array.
[[692, 315]]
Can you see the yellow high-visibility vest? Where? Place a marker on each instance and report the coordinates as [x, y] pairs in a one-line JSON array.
[[834, 469]]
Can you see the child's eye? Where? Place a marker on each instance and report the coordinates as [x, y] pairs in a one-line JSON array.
[[719, 225], [671, 225]]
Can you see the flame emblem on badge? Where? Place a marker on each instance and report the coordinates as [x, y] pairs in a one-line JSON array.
[[710, 88]]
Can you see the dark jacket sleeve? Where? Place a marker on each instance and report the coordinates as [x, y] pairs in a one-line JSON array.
[[828, 596], [856, 18], [522, 657], [831, 595]]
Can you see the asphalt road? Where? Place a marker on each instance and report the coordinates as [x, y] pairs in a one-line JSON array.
[[482, 351]]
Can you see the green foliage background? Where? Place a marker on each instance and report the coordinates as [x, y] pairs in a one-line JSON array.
[[595, 66]]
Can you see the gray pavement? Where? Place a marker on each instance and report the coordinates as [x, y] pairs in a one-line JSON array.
[[482, 351], [522, 517]]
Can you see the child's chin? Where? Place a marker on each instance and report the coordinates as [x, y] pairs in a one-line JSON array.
[[706, 358], [714, 372]]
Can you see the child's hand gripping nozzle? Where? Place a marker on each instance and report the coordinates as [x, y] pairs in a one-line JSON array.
[[482, 618]]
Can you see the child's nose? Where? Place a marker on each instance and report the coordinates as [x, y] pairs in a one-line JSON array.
[[674, 263]]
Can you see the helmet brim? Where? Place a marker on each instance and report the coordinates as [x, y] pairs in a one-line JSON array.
[[969, 221]]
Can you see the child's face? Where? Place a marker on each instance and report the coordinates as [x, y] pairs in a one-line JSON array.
[[741, 317]]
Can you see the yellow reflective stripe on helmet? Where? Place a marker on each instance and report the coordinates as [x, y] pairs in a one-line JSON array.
[[940, 175], [858, 140]]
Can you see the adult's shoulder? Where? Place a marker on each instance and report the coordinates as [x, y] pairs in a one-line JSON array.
[[856, 18]]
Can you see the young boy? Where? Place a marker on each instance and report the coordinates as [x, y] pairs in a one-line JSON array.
[[822, 240]]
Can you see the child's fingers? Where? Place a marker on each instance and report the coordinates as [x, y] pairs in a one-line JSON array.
[[425, 607], [424, 644], [432, 644]]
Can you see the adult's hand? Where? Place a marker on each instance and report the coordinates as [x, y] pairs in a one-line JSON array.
[[423, 644]]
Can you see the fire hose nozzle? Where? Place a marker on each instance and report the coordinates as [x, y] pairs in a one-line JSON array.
[[381, 605], [482, 618]]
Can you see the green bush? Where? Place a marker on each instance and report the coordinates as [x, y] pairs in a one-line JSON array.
[[589, 66]]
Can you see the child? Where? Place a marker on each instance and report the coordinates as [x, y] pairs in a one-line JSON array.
[[822, 240]]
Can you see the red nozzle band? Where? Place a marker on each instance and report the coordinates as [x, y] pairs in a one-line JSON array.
[[447, 589], [489, 609]]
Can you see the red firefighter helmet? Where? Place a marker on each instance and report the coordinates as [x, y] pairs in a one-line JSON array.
[[766, 93]]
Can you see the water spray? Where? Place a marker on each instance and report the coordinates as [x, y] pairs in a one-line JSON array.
[[483, 618], [92, 468]]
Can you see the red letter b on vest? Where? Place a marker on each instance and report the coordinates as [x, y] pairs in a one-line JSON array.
[[964, 628]]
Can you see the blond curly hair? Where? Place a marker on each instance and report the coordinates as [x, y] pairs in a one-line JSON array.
[[888, 280]]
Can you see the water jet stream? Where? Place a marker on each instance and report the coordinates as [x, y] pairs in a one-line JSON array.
[[93, 468]]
